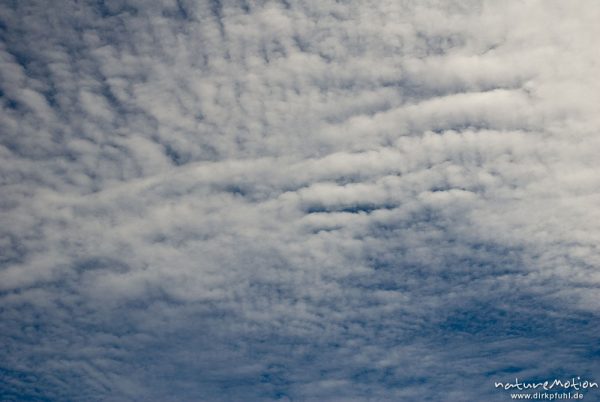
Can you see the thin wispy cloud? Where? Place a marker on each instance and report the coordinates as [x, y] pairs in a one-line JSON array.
[[297, 200]]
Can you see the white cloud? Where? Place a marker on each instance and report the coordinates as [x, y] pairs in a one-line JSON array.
[[296, 200]]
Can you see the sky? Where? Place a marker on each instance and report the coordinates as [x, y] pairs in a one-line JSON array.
[[311, 200]]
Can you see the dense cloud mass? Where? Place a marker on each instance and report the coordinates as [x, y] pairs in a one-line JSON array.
[[297, 200]]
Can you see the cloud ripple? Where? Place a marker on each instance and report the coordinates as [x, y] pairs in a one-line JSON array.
[[301, 201]]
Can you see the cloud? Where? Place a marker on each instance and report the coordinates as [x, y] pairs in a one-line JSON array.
[[303, 201]]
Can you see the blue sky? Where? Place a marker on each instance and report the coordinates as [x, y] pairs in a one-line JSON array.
[[297, 200]]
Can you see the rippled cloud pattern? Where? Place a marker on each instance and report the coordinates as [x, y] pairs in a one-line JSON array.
[[231, 200]]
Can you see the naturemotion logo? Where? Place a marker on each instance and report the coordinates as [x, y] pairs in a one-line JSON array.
[[556, 384], [558, 389]]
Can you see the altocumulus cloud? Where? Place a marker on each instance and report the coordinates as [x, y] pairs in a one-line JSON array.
[[297, 200]]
